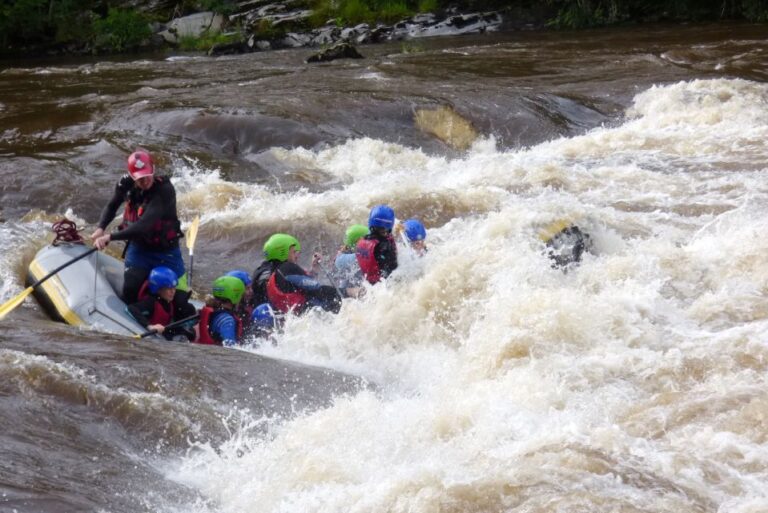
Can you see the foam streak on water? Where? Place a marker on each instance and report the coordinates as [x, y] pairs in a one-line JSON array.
[[634, 383]]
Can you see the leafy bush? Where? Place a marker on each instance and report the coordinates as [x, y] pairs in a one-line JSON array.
[[427, 6], [755, 10], [23, 20], [207, 40], [266, 30], [394, 11], [121, 30], [218, 6]]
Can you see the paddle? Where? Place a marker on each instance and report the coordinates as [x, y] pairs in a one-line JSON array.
[[333, 284], [191, 237], [171, 325], [6, 308], [400, 229]]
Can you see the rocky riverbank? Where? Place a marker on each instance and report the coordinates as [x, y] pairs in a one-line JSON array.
[[246, 26], [288, 28]]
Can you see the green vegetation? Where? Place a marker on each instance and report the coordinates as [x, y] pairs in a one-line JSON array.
[[207, 40], [266, 30], [98, 25], [121, 30], [592, 13], [352, 12]]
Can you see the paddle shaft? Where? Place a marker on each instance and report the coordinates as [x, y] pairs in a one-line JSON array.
[[189, 275], [171, 325], [191, 238], [333, 284], [6, 307], [62, 266]]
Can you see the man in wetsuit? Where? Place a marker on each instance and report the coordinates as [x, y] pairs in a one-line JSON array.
[[291, 288], [377, 252], [150, 224]]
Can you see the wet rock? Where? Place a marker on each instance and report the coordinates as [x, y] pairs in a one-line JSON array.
[[379, 34], [427, 25], [343, 50], [278, 16], [327, 35], [259, 44], [447, 125], [295, 40], [284, 24], [229, 48], [193, 25]]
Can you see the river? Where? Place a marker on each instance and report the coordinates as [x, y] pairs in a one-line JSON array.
[[478, 378]]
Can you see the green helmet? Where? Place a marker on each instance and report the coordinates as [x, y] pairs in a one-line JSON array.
[[278, 245], [354, 234], [228, 287]]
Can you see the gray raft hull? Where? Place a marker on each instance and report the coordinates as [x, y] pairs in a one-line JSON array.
[[85, 293]]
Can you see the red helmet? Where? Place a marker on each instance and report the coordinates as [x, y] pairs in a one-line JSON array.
[[140, 165]]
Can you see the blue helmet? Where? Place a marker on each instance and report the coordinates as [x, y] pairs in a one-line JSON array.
[[160, 278], [241, 275], [262, 316], [414, 230], [382, 216]]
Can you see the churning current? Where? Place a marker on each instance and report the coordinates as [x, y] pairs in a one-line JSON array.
[[478, 378]]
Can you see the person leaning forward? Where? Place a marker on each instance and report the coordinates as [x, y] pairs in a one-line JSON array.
[[150, 226]]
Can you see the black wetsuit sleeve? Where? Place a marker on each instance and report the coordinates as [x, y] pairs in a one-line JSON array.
[[183, 308], [163, 200], [118, 198], [285, 270], [142, 310], [386, 256]]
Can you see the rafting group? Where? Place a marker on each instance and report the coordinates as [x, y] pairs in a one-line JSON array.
[[241, 306]]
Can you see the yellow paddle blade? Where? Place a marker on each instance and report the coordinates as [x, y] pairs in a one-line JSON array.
[[192, 233], [13, 303], [553, 229]]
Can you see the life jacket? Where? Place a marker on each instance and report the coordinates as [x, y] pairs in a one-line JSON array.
[[143, 291], [160, 316], [284, 301], [365, 252], [260, 279], [206, 315], [164, 232], [243, 312]]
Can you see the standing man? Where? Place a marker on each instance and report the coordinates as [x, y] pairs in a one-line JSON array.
[[150, 225]]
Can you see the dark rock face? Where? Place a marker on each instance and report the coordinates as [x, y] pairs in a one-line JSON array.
[[229, 49], [289, 20], [343, 50], [270, 25]]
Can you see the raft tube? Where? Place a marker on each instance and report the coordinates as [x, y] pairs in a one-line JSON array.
[[84, 293]]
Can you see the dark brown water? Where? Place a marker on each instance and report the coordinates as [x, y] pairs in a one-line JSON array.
[[263, 142]]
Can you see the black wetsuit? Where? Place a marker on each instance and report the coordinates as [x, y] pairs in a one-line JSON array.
[[290, 277], [152, 228], [385, 252], [259, 281]]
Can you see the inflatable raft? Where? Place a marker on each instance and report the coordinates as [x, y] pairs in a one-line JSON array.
[[84, 293]]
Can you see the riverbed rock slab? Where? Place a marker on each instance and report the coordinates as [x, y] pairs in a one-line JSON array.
[[343, 50], [193, 25]]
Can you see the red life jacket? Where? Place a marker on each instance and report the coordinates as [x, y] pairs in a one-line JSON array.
[[366, 257], [163, 232], [284, 301], [204, 335], [143, 291], [160, 316]]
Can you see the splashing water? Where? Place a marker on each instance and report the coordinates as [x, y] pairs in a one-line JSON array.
[[636, 382]]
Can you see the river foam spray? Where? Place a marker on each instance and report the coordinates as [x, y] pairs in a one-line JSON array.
[[636, 382]]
